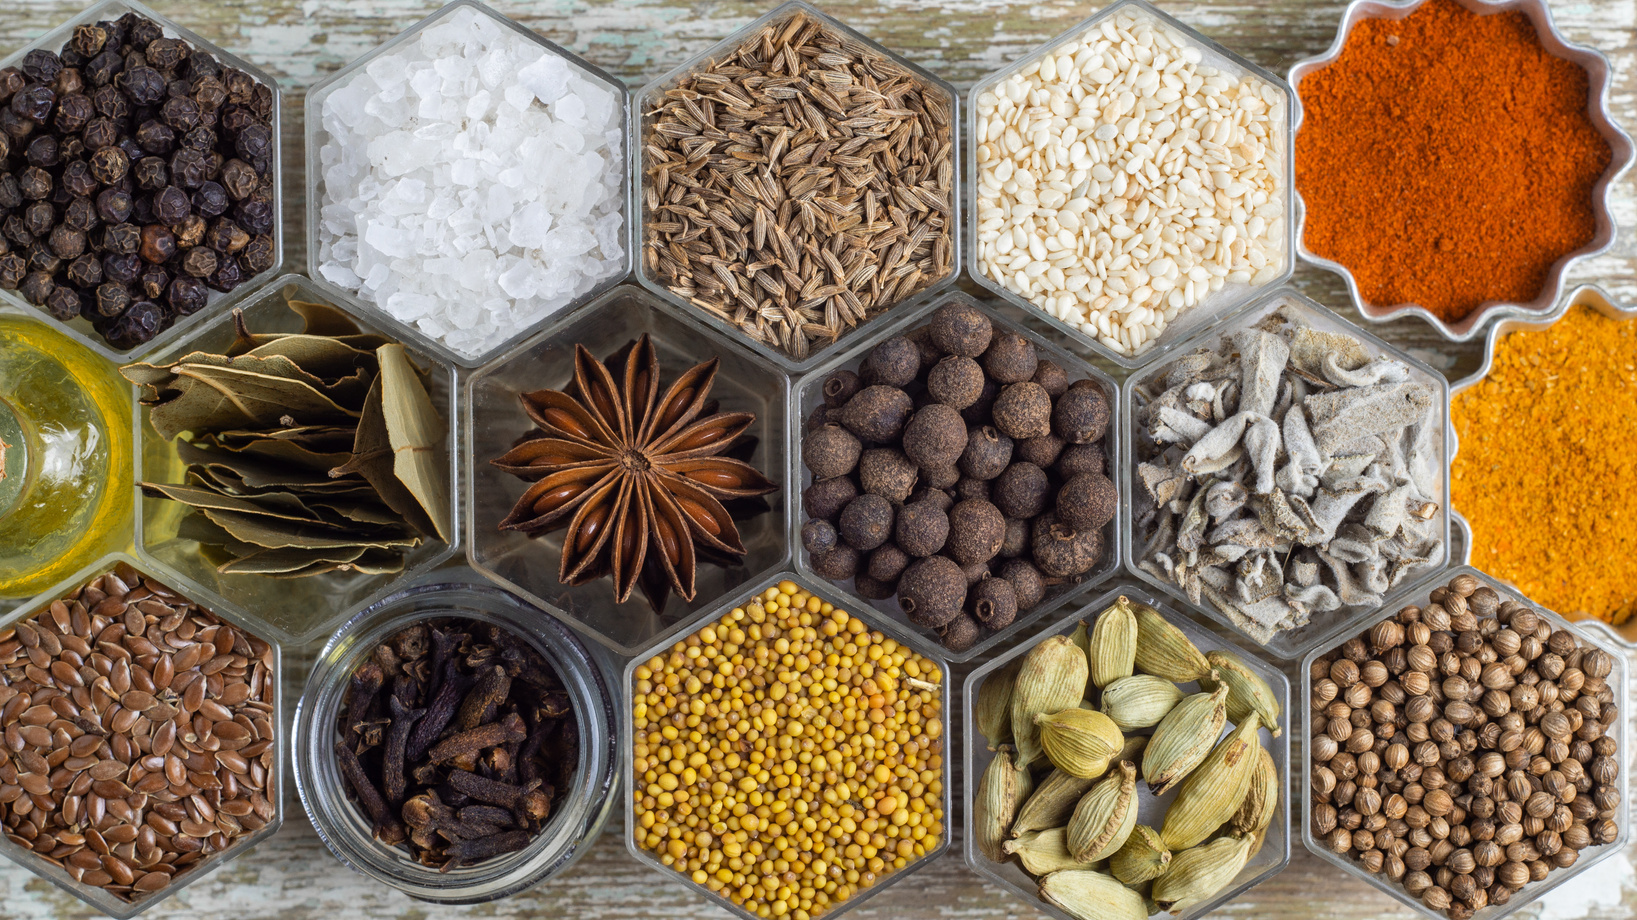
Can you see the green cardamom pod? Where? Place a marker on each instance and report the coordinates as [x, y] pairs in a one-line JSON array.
[[1087, 894], [1105, 816], [1183, 739], [1247, 691], [1139, 701], [1199, 873], [1051, 804], [1211, 794], [992, 710], [1044, 852], [1112, 646], [1261, 798], [1052, 678], [1133, 748], [1143, 858], [1003, 788], [1081, 637], [1080, 741], [1163, 651]]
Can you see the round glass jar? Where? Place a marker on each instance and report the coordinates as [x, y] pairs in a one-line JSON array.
[[578, 815]]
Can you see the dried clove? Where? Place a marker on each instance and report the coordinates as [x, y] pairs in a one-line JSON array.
[[465, 756]]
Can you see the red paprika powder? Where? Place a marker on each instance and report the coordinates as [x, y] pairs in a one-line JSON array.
[[1446, 159]]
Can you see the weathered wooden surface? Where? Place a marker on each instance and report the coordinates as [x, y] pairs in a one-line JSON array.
[[301, 41]]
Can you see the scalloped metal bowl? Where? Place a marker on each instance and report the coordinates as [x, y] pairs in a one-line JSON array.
[[1548, 304], [1587, 295]]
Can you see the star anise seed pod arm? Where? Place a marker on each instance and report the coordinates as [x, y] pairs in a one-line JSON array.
[[548, 503]]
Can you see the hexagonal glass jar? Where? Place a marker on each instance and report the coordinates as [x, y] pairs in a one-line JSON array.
[[683, 632], [496, 420], [1618, 681], [1216, 303], [1269, 860], [1322, 625], [649, 99], [296, 610], [578, 816], [318, 198], [217, 301], [1549, 302], [65, 455], [809, 395], [98, 898]]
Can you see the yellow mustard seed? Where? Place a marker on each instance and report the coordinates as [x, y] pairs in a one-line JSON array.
[[787, 756]]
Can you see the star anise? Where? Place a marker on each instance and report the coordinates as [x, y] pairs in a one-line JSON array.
[[635, 477]]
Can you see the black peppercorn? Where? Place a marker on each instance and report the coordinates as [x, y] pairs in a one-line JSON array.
[[181, 113], [37, 286], [151, 173], [64, 303], [143, 85], [177, 88], [153, 282], [141, 32], [67, 82], [158, 244], [200, 65], [170, 205], [114, 205], [240, 88], [229, 275], [77, 180], [99, 132], [235, 118], [34, 103], [189, 168], [121, 267], [12, 269], [109, 165], [112, 299], [42, 151], [202, 139], [137, 326], [226, 236], [190, 231], [70, 149], [11, 194], [209, 93], [155, 137], [39, 218], [200, 261], [254, 141], [262, 102], [103, 69], [12, 82], [110, 102], [166, 53], [42, 259], [73, 114], [5, 146], [239, 179], [211, 199], [133, 151], [187, 295], [16, 231], [257, 217], [35, 183], [41, 65], [66, 242], [15, 126], [85, 272], [89, 39], [80, 215]]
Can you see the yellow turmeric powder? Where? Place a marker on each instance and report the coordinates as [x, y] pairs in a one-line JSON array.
[[1547, 468]]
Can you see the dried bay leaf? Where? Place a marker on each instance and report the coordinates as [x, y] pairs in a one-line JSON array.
[[372, 458], [277, 505], [272, 533], [226, 397], [418, 436], [321, 356]]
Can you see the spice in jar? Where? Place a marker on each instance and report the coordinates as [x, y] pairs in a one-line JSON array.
[[1447, 159], [1123, 179], [140, 734], [1464, 748], [787, 757], [457, 740], [1545, 464], [798, 185]]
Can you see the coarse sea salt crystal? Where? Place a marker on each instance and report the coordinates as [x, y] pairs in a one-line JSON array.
[[472, 183]]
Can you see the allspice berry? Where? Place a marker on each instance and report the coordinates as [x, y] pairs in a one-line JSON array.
[[866, 522], [872, 588], [1081, 458], [1016, 541], [1042, 451], [940, 477], [896, 362], [960, 634], [1021, 491], [839, 564], [877, 413], [935, 436], [987, 454], [1023, 410], [818, 536], [1028, 585], [1010, 358], [961, 329], [1087, 501], [887, 562], [993, 602], [931, 591], [840, 387], [976, 529], [955, 381], [830, 451], [922, 527], [825, 498], [1063, 552], [1051, 377], [886, 472], [1081, 413], [968, 489]]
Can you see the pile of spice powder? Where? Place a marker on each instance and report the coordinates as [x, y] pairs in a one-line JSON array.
[[798, 185], [1545, 471], [786, 756], [1447, 160]]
